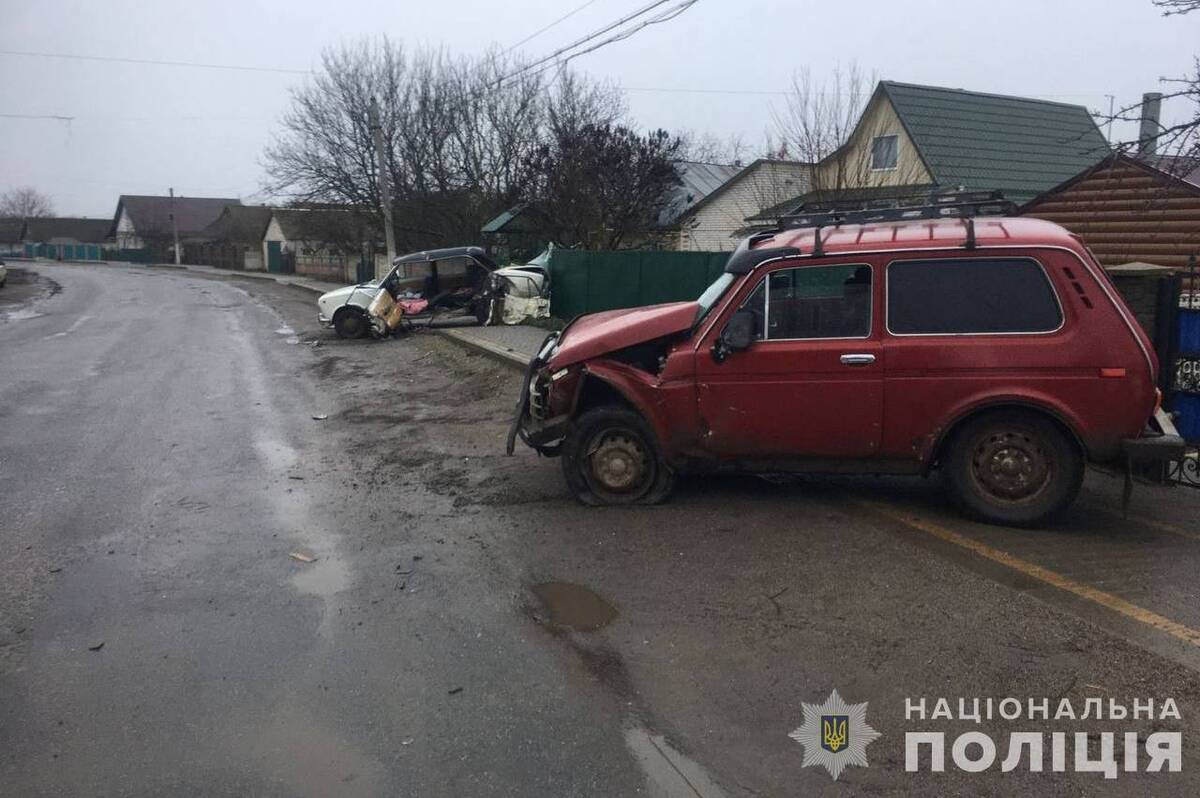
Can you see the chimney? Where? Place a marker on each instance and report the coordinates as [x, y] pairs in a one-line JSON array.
[[1148, 134]]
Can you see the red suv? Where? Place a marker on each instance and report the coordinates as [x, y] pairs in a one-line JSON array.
[[993, 349]]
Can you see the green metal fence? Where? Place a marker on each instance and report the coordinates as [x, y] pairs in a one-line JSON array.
[[585, 282]]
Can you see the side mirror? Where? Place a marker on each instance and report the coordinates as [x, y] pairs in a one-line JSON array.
[[737, 335]]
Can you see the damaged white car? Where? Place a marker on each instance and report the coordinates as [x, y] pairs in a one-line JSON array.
[[459, 280]]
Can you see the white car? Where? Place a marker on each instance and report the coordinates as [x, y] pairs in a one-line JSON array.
[[456, 278]]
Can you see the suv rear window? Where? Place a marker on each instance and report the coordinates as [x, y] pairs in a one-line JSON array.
[[970, 295]]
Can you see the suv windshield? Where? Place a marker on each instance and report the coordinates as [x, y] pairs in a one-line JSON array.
[[713, 293]]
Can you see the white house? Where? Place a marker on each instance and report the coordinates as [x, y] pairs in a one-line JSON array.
[[716, 222]]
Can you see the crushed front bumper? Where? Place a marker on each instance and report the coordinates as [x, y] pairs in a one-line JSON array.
[[529, 422]]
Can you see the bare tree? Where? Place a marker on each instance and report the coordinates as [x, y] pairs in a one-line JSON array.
[[25, 202], [602, 186], [1172, 7], [459, 135], [706, 148], [824, 124], [1174, 148]]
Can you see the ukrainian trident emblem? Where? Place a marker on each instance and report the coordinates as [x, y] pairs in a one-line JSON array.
[[835, 734]]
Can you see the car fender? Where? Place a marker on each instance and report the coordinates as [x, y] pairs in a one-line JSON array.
[[928, 446], [636, 387]]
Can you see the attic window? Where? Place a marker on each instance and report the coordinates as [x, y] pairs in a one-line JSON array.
[[884, 152]]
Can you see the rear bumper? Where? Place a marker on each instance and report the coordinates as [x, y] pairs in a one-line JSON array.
[[1160, 444], [1156, 449], [323, 319]]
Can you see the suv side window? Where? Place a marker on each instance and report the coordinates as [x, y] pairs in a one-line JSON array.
[[813, 302], [957, 296]]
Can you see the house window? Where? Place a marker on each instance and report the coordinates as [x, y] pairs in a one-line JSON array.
[[884, 152]]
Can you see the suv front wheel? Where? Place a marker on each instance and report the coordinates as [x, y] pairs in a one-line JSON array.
[[610, 457], [1013, 467]]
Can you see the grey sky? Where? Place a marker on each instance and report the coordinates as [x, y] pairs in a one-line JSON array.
[[140, 129]]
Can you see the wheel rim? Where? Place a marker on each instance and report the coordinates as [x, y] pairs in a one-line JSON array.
[[351, 324], [618, 463], [1011, 465]]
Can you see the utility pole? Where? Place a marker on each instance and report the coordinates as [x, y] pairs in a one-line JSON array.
[[175, 229], [385, 188]]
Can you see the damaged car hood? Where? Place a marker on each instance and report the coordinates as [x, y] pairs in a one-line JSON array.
[[362, 296], [598, 333]]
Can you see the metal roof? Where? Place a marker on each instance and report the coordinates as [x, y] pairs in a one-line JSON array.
[[1016, 145], [697, 181], [152, 215], [64, 230]]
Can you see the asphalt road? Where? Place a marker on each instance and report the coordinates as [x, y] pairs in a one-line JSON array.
[[160, 462]]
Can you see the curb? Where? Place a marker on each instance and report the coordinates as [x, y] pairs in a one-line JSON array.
[[504, 354], [224, 273]]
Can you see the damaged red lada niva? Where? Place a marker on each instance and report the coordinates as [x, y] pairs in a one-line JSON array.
[[993, 349]]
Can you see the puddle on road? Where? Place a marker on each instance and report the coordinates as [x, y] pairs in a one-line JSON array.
[[21, 315], [574, 606]]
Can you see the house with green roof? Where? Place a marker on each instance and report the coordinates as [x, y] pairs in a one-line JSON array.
[[914, 139]]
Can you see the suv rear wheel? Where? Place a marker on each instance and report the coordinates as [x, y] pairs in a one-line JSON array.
[[1013, 467], [610, 457]]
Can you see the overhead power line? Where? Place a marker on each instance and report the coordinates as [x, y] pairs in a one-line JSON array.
[[154, 62], [542, 30], [665, 16], [585, 39]]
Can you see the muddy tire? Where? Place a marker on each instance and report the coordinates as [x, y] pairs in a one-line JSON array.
[[1013, 468], [350, 323], [610, 456]]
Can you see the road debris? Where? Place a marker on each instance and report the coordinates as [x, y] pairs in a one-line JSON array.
[[454, 691], [302, 557], [96, 646], [320, 416], [55, 569]]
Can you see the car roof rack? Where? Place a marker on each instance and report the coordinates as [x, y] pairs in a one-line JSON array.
[[937, 205]]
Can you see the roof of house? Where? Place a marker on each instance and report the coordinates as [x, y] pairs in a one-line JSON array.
[[65, 229], [738, 176], [11, 229], [1185, 167], [1017, 145], [697, 181], [152, 215], [325, 224], [1152, 167], [239, 224]]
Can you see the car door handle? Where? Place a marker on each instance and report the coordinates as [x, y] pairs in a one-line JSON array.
[[858, 360]]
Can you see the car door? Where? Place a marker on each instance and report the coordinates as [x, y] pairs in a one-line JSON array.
[[811, 384]]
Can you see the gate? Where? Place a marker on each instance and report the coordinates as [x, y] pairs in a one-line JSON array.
[[274, 256], [1184, 396], [366, 269]]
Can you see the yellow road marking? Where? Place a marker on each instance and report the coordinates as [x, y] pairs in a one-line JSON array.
[[1115, 603]]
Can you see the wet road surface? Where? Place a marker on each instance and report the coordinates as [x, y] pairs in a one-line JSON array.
[[466, 628]]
